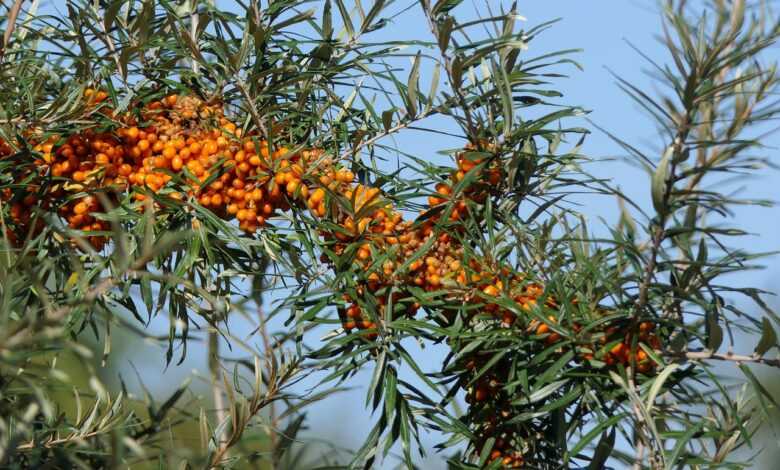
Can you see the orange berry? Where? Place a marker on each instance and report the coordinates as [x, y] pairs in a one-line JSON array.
[[481, 393], [491, 291], [81, 208]]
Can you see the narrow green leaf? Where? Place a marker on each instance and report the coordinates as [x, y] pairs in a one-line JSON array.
[[768, 337], [287, 437], [375, 9], [671, 460], [327, 20], [412, 87], [598, 429], [603, 450], [658, 184], [387, 119], [658, 383], [714, 330]]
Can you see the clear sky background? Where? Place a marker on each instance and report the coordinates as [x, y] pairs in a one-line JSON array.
[[601, 28]]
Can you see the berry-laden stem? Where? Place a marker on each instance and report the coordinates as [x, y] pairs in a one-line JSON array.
[[183, 148]]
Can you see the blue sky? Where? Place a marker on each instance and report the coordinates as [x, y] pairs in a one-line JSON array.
[[601, 29]]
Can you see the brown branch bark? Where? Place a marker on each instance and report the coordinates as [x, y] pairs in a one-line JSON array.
[[730, 357], [13, 14]]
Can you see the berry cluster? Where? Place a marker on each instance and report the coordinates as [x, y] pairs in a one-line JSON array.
[[179, 138]]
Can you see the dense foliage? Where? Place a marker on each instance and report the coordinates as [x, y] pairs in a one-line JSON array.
[[187, 160]]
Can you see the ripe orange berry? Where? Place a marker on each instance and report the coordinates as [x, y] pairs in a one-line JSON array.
[[81, 208], [169, 152], [553, 338], [491, 291], [481, 393]]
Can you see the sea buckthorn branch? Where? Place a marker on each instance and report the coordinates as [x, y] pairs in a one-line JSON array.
[[527, 347], [707, 113], [739, 358], [241, 178], [431, 281]]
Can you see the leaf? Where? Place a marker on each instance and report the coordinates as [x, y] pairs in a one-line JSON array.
[[387, 119], [603, 450], [205, 434], [345, 18], [547, 390], [378, 5], [445, 31], [598, 429], [299, 18], [146, 294], [412, 87], [327, 21], [671, 461], [658, 383], [391, 391], [768, 337], [434, 87], [168, 404], [110, 14], [658, 184], [347, 106], [485, 451], [714, 330], [73, 279], [760, 389], [444, 6], [457, 72], [288, 437]]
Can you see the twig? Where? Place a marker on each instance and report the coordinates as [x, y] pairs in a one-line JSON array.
[[448, 67], [381, 135], [256, 404], [640, 455], [216, 388], [259, 121], [194, 20], [273, 418], [434, 110], [13, 14], [55, 442], [710, 355]]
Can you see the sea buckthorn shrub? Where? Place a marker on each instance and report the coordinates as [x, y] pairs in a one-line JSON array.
[[195, 160]]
